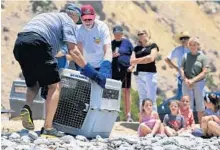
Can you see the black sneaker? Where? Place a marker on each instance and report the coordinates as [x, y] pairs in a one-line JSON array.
[[26, 117], [51, 133]]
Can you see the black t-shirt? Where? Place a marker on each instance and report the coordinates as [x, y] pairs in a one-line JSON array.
[[144, 51], [115, 44]]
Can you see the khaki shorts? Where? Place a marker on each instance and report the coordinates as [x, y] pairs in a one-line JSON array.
[[196, 93]]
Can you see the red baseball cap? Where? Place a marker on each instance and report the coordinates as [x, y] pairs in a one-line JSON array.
[[88, 12]]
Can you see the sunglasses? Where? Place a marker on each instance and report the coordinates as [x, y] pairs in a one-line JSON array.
[[141, 34], [184, 38], [87, 20]]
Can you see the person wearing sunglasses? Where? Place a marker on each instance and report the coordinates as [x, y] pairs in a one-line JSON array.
[[144, 57], [181, 38], [94, 41]]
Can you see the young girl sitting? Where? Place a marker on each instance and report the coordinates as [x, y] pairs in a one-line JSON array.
[[187, 113], [174, 122], [210, 124], [150, 123]]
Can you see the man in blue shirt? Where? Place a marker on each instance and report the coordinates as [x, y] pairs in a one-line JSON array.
[[178, 53]]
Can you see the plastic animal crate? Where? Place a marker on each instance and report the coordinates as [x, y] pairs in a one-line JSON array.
[[84, 107]]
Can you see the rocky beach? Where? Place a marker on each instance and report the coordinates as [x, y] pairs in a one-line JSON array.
[[31, 141], [122, 137]]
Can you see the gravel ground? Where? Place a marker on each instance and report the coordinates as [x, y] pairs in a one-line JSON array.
[[121, 138]]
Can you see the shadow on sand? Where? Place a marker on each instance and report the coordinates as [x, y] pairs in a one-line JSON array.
[[130, 125]]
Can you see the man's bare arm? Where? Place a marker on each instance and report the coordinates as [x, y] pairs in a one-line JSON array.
[[171, 64], [80, 47], [146, 59], [108, 52], [76, 55]]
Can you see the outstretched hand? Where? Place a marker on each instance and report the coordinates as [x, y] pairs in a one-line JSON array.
[[78, 58]]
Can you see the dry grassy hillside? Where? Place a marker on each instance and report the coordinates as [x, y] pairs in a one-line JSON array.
[[164, 19]]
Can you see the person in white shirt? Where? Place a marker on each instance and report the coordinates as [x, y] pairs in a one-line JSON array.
[[95, 54], [94, 39], [178, 54]]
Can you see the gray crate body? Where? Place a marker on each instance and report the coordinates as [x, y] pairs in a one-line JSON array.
[[18, 99], [84, 107], [97, 122]]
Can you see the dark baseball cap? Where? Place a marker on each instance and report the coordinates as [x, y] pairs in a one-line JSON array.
[[117, 29], [72, 7], [88, 12], [213, 98]]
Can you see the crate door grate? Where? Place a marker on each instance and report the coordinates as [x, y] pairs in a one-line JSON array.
[[73, 103]]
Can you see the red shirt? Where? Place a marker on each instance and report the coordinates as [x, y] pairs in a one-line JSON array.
[[188, 117]]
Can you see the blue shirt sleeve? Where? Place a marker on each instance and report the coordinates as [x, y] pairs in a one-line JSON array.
[[208, 112], [173, 54], [64, 49]]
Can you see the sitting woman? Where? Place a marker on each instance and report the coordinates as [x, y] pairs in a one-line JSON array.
[[211, 120], [150, 123]]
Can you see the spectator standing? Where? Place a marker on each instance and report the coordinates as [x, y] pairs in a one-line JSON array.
[[178, 53], [146, 72], [193, 70], [122, 50]]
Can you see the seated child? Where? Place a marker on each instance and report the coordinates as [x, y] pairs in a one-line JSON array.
[[210, 124], [173, 123], [150, 123], [187, 113]]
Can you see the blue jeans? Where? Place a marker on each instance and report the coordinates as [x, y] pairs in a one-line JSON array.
[[179, 92], [62, 62]]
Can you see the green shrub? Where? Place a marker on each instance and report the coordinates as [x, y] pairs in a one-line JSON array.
[[134, 106]]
